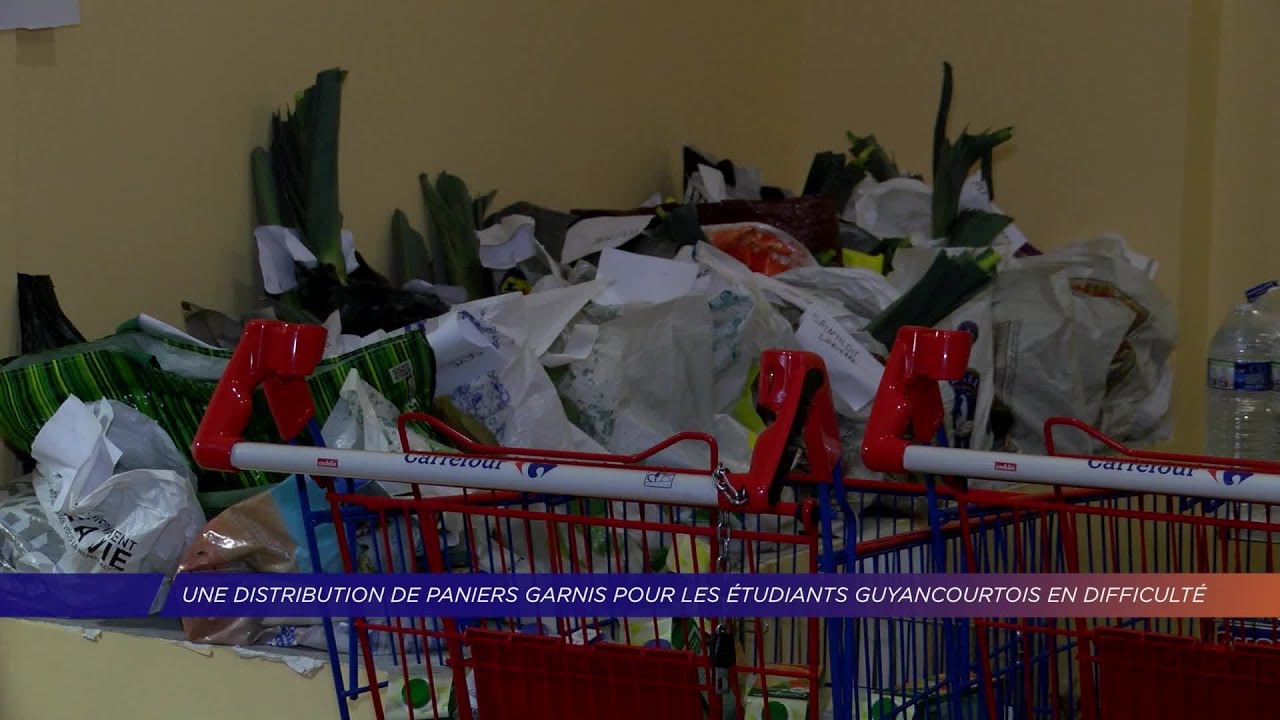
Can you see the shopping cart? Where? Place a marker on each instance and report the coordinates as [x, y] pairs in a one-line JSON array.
[[1127, 512], [539, 511]]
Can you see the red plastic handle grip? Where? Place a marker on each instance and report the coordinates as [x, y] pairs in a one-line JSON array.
[[794, 391], [276, 356], [908, 400]]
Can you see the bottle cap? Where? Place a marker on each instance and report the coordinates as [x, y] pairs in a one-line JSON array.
[[1257, 291], [417, 693]]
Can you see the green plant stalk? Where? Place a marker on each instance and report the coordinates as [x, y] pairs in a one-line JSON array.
[[952, 163], [450, 209], [871, 158], [288, 171], [264, 187], [321, 111], [940, 122], [482, 205], [434, 240], [976, 228], [946, 285], [411, 248]]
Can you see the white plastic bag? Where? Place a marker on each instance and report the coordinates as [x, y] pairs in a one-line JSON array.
[[1081, 332], [115, 488], [488, 364], [744, 323], [648, 377]]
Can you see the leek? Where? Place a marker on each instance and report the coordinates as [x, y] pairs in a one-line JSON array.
[[871, 158], [296, 179], [324, 218], [452, 242], [952, 163], [411, 248], [264, 187], [947, 284]]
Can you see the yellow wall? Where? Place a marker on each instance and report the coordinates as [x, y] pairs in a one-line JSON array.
[[124, 143], [126, 171], [132, 131], [1097, 92]]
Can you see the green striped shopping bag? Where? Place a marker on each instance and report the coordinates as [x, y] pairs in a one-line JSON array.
[[171, 381]]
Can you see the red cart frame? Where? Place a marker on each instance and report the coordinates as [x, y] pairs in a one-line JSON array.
[[1127, 512], [544, 511]]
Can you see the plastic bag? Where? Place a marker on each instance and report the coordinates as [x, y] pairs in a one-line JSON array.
[[648, 377], [744, 324], [760, 247], [862, 292], [171, 382], [267, 533], [488, 363], [111, 493], [1081, 332], [44, 326], [363, 419]]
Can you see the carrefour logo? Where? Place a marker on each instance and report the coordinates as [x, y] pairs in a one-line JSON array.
[[1147, 468], [1230, 477], [534, 470]]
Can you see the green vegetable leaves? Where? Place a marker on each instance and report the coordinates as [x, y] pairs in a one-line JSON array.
[[453, 247], [324, 217], [871, 158], [952, 163], [948, 283], [295, 183], [411, 249]]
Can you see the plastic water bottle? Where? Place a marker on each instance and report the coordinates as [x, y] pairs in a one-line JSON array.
[[1265, 298], [1240, 416]]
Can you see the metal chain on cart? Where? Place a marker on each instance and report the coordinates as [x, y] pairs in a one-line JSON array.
[[723, 648]]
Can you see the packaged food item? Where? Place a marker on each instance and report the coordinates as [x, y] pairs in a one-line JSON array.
[[763, 248]]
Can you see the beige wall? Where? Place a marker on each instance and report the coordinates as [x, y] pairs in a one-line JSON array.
[[1097, 92], [126, 173], [128, 177], [124, 143], [132, 131]]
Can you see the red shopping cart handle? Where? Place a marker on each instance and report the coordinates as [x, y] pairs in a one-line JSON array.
[[793, 396], [908, 404], [278, 357]]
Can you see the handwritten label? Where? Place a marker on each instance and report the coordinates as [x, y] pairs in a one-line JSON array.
[[464, 353], [854, 372], [592, 235]]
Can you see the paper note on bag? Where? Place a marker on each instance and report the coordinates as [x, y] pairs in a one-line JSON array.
[[592, 235], [38, 14], [713, 184], [463, 353], [854, 372], [645, 279], [519, 246]]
